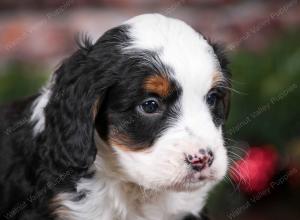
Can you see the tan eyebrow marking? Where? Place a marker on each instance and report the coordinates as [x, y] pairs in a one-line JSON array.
[[158, 84], [218, 79]]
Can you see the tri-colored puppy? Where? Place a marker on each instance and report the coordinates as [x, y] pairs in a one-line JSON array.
[[128, 128]]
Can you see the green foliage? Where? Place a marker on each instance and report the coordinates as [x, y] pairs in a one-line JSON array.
[[269, 83], [19, 80]]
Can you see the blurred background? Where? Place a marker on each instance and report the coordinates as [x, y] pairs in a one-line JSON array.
[[262, 40]]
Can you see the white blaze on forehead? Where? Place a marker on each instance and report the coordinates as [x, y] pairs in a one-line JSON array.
[[179, 46]]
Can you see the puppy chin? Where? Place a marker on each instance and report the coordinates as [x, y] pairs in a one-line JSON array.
[[197, 180], [189, 182], [193, 184], [190, 186]]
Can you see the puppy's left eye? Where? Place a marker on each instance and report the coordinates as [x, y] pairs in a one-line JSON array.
[[212, 98], [150, 106]]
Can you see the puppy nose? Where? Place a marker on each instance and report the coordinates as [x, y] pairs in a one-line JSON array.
[[200, 160]]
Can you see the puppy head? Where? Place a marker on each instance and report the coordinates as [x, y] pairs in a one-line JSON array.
[[156, 93], [163, 116]]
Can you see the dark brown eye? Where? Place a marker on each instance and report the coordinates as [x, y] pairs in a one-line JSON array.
[[150, 106], [212, 98]]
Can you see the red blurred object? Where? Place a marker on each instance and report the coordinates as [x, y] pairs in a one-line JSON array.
[[255, 171]]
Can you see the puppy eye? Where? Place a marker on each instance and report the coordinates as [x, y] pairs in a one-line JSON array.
[[150, 106], [212, 98]]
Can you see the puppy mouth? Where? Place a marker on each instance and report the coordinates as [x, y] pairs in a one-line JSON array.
[[193, 181], [196, 177]]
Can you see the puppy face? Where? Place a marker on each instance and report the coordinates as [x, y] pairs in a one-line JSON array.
[[163, 117]]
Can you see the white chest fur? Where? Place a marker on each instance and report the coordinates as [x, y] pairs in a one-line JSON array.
[[110, 199]]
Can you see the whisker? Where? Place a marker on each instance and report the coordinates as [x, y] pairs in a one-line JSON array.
[[233, 90], [243, 178]]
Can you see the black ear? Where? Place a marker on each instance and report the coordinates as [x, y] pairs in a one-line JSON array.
[[78, 89], [222, 58]]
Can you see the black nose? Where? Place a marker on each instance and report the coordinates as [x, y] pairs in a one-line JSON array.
[[200, 160]]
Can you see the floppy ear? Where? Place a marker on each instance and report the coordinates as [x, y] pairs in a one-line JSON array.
[[222, 58], [77, 92], [79, 88]]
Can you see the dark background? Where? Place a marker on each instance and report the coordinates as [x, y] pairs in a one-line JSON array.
[[262, 40]]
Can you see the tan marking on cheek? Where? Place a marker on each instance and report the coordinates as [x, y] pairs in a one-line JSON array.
[[158, 84], [218, 78], [122, 142]]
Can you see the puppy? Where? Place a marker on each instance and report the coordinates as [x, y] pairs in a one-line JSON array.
[[130, 127]]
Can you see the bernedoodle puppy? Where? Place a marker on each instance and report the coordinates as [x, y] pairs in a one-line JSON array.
[[130, 127]]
